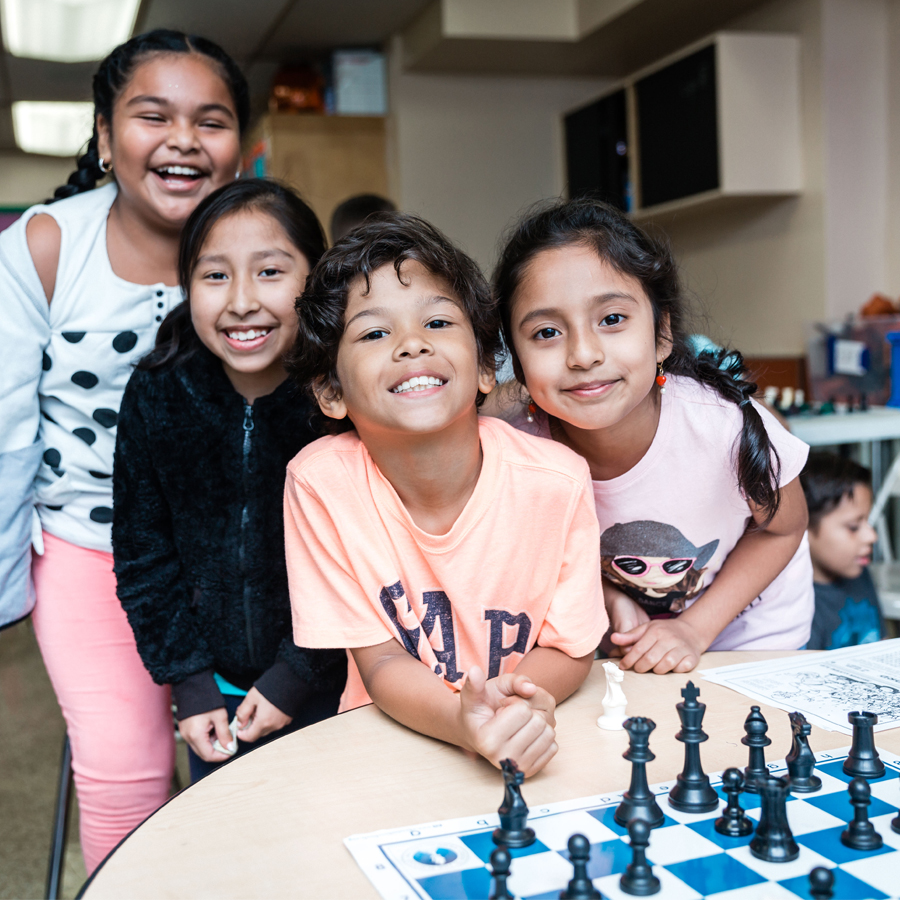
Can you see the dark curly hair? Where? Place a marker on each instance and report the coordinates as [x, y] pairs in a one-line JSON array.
[[634, 252], [390, 239], [115, 72]]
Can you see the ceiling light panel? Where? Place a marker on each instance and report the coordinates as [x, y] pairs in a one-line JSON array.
[[52, 128], [66, 30]]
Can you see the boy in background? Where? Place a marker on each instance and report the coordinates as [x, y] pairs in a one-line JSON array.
[[839, 497]]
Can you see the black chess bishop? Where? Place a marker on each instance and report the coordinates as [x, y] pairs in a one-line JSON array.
[[755, 726]]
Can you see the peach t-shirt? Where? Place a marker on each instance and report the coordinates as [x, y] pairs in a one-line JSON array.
[[521, 565]]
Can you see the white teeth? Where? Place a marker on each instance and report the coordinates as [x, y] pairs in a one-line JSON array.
[[418, 383], [180, 170], [249, 335]]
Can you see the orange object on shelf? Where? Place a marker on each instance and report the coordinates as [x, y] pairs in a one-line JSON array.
[[879, 305], [297, 89]]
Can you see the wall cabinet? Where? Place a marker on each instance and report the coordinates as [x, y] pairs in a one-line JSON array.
[[716, 122]]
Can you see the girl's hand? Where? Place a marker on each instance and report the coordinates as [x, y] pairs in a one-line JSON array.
[[498, 721], [663, 645], [625, 615], [258, 717], [200, 732]]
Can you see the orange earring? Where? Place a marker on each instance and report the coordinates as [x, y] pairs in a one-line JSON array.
[[532, 409], [660, 378]]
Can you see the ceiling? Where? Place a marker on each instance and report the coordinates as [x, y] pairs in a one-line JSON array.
[[260, 34]]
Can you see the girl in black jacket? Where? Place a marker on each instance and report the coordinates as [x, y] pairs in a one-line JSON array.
[[206, 428]]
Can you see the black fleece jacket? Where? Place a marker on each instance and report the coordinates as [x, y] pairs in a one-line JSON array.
[[198, 536]]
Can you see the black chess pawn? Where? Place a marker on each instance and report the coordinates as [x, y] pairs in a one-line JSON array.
[[638, 878], [895, 823], [801, 760], [863, 760], [773, 841], [580, 887], [513, 831], [692, 792], [755, 738], [860, 834], [733, 822], [500, 863], [821, 883], [638, 802]]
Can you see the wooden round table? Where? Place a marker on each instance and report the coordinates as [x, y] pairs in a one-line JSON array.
[[272, 823]]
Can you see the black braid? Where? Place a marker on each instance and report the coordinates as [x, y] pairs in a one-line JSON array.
[[634, 252], [115, 72]]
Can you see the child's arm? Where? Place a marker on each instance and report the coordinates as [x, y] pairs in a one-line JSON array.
[[554, 671], [491, 718], [675, 645]]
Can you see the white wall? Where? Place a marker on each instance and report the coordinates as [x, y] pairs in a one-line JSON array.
[[855, 147], [469, 153], [26, 180]]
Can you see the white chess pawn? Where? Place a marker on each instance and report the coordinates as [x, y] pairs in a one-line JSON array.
[[614, 701]]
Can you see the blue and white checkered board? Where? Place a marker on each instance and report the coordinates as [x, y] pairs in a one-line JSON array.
[[450, 860]]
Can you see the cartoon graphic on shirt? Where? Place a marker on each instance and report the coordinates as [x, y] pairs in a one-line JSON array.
[[654, 564]]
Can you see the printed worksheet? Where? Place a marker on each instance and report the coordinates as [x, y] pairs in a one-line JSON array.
[[825, 687]]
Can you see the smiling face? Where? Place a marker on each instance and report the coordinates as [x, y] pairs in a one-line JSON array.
[[407, 361], [841, 544], [584, 335], [174, 137], [242, 295]]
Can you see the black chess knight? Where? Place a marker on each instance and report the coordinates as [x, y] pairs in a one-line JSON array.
[[692, 792], [801, 760], [513, 831]]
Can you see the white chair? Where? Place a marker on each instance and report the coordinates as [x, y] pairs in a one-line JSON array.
[[886, 574]]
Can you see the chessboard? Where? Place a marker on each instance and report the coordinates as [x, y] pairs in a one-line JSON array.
[[450, 860]]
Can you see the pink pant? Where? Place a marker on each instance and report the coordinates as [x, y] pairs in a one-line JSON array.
[[119, 721]]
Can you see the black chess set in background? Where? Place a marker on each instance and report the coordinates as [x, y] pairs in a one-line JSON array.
[[692, 792]]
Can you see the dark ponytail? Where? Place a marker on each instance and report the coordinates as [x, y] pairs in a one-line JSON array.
[[114, 74], [634, 252], [176, 339]]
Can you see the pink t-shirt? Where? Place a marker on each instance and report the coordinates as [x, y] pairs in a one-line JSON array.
[[668, 524], [519, 567]]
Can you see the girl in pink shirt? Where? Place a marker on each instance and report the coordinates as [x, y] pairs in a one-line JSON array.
[[702, 516]]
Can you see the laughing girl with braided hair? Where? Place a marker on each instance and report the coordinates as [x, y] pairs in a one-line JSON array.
[[86, 278]]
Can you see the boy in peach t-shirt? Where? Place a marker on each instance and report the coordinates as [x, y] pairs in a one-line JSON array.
[[456, 558]]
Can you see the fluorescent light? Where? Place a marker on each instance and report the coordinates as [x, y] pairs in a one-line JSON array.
[[66, 30], [53, 128]]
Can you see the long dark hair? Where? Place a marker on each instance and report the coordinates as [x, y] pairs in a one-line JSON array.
[[634, 252], [114, 74], [176, 339]]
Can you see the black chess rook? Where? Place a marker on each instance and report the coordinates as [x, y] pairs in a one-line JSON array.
[[860, 834], [801, 760], [733, 822], [500, 863], [513, 831], [638, 878], [773, 841], [863, 760], [692, 792], [580, 887], [755, 738]]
